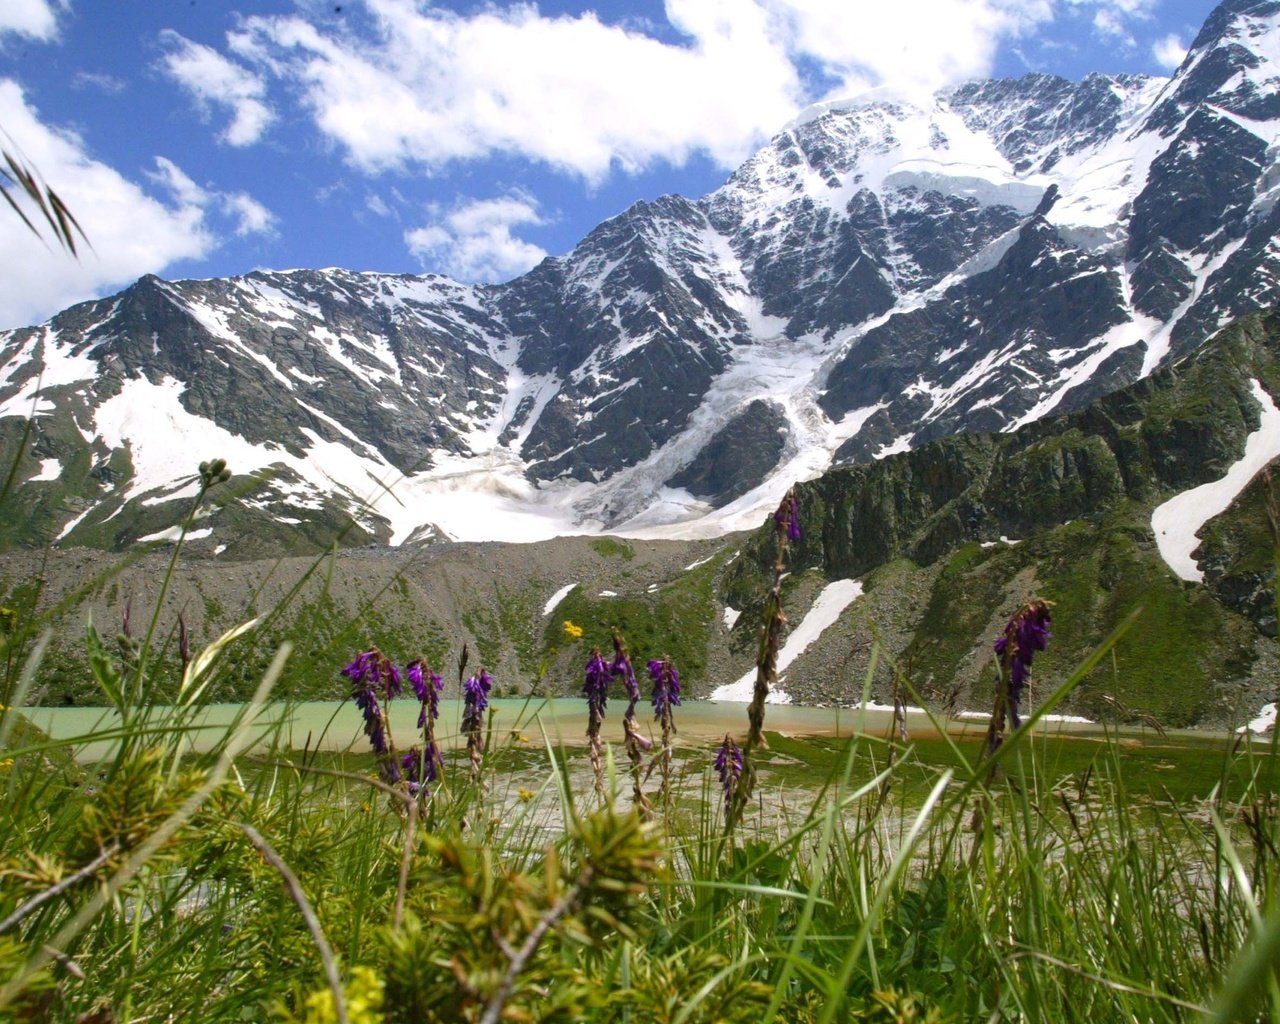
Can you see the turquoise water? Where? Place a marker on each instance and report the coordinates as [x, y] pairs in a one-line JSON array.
[[337, 725]]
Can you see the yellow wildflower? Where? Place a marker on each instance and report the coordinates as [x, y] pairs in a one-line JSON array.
[[572, 631]]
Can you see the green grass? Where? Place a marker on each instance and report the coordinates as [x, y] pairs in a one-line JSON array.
[[1062, 880], [1105, 881]]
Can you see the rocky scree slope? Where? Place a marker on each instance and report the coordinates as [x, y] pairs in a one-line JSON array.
[[505, 602]]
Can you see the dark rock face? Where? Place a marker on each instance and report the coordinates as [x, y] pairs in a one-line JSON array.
[[738, 457], [1043, 297], [1039, 119], [1211, 195], [634, 325]]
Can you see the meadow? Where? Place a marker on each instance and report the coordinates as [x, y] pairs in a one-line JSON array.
[[638, 876]]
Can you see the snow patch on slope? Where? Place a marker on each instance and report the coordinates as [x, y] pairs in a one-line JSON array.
[[61, 367], [1177, 522], [556, 598], [826, 610], [1265, 722]]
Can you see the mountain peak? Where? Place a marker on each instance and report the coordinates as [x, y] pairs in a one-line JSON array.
[[888, 270]]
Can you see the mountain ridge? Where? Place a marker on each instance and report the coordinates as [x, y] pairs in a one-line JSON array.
[[880, 275]]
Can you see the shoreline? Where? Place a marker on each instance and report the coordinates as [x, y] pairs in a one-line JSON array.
[[336, 726]]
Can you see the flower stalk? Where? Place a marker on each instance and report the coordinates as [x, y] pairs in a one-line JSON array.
[[634, 743], [596, 690], [475, 699], [428, 686], [786, 529], [666, 695], [1026, 633], [375, 682]]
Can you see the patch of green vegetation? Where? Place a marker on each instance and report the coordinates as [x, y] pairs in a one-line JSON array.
[[612, 547], [959, 607], [509, 624], [213, 609], [675, 621], [1096, 574], [1240, 539], [325, 635]]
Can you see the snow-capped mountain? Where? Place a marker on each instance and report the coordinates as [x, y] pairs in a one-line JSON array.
[[884, 272]]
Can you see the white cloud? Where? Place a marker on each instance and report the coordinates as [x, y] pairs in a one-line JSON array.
[[34, 19], [473, 241], [1112, 19], [214, 80], [108, 84], [252, 218], [179, 184], [1109, 22], [574, 93], [1169, 51], [912, 45], [130, 233], [428, 86]]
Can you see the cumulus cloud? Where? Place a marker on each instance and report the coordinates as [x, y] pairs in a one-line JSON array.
[[248, 216], [914, 45], [1169, 51], [427, 86], [216, 81], [33, 19], [251, 217], [130, 232], [474, 241], [575, 93], [1113, 19]]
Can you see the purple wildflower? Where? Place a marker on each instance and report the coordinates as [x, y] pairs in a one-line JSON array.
[[419, 767], [596, 688], [666, 686], [375, 722], [475, 698], [621, 666], [1027, 632], [789, 514], [360, 667], [364, 673], [373, 668], [729, 765], [428, 686]]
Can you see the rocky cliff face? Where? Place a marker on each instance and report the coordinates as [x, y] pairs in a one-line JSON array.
[[881, 275]]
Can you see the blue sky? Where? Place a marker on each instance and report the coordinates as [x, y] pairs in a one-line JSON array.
[[204, 138]]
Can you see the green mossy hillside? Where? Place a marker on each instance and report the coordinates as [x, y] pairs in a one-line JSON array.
[[1074, 495]]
